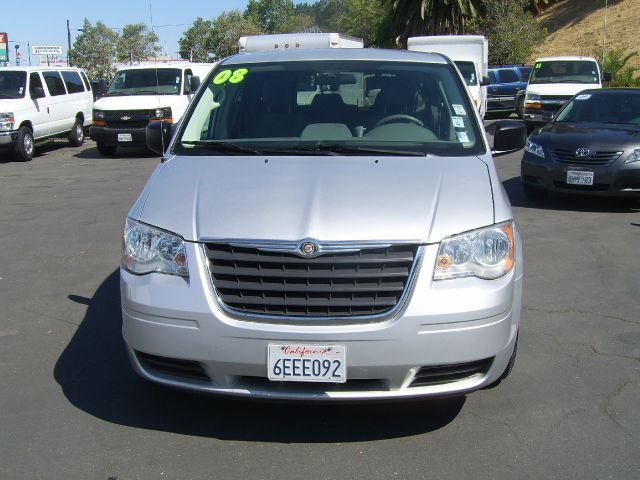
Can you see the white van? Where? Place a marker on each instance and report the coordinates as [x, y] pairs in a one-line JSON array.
[[470, 53], [553, 81], [139, 95], [41, 103], [296, 41]]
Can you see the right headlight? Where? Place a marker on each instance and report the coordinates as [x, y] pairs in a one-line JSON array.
[[486, 253], [98, 115], [532, 97], [147, 249], [6, 121], [534, 148], [634, 157]]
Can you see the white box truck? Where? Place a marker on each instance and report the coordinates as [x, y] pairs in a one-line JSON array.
[[470, 53], [294, 41]]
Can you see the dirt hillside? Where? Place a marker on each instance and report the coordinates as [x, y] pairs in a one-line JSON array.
[[576, 28]]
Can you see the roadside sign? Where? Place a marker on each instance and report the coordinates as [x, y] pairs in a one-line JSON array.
[[46, 50], [4, 51]]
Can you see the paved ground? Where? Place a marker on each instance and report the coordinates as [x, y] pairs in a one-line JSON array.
[[71, 408]]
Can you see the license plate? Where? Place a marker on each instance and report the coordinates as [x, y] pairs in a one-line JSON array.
[[307, 363], [579, 178], [124, 137]]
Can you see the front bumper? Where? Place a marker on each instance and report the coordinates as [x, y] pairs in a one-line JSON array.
[[505, 103], [8, 139], [109, 136], [618, 179], [443, 323]]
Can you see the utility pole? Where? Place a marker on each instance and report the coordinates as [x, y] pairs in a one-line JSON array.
[[604, 36], [68, 43]]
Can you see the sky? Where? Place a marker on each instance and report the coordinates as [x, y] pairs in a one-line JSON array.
[[45, 23]]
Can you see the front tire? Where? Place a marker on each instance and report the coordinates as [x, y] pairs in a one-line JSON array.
[[25, 145], [76, 135], [106, 150]]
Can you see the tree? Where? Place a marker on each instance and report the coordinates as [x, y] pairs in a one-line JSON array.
[[195, 43], [616, 62], [95, 50], [511, 31], [363, 19], [137, 43], [278, 16], [430, 17]]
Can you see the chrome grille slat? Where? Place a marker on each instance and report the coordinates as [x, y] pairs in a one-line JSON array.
[[370, 281], [595, 158]]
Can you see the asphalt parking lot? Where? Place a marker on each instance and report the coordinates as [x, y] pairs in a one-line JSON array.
[[72, 408]]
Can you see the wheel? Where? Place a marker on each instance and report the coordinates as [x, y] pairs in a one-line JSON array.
[[24, 145], [520, 108], [534, 193], [106, 150], [507, 371], [76, 135]]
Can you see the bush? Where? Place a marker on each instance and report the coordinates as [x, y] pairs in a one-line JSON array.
[[616, 62]]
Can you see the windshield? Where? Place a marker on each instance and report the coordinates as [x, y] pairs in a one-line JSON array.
[[12, 84], [610, 107], [328, 107], [565, 71], [147, 81], [468, 71]]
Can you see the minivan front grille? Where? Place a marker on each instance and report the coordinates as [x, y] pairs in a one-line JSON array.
[[368, 281], [593, 158], [440, 374]]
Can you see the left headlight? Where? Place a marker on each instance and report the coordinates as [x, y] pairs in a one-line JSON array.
[[486, 253], [7, 121], [534, 148], [146, 249], [634, 157]]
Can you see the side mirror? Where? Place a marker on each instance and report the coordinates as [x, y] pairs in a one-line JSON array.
[[37, 92], [508, 136], [158, 136], [195, 83], [484, 81], [606, 77]]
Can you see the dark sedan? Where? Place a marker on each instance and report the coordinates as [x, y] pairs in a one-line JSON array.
[[592, 146]]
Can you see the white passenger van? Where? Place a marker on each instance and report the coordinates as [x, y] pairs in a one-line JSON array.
[[41, 103], [296, 41], [553, 81], [470, 53], [142, 94]]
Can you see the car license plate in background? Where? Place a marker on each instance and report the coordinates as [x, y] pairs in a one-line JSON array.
[[579, 178], [307, 363], [124, 137]]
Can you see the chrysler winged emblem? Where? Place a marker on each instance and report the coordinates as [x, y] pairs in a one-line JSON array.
[[583, 152], [308, 249]]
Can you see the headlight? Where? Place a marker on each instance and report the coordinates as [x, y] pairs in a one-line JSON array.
[[532, 97], [98, 115], [634, 157], [160, 114], [147, 249], [534, 148], [486, 253], [6, 121]]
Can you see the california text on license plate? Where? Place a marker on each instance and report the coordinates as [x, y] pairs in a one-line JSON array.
[[575, 177], [124, 137], [307, 363]]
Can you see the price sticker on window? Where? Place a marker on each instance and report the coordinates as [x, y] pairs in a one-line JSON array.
[[230, 76]]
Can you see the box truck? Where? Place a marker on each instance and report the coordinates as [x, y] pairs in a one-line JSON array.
[[294, 41]]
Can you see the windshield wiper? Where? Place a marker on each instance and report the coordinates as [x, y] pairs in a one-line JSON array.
[[332, 149], [145, 92], [218, 146]]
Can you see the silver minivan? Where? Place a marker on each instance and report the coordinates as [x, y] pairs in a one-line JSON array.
[[325, 225]]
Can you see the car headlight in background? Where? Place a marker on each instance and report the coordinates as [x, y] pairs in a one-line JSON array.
[[634, 157], [486, 253], [158, 114], [534, 148], [147, 249], [531, 97], [98, 118], [7, 121]]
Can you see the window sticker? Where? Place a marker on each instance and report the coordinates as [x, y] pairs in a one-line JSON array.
[[538, 66], [458, 122], [177, 79], [463, 137], [231, 76], [20, 90], [459, 109], [584, 96]]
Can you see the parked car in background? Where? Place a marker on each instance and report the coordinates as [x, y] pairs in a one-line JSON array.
[[592, 147], [38, 104], [305, 238], [141, 94], [506, 81], [553, 81]]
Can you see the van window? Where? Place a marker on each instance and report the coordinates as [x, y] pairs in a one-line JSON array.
[[468, 71], [12, 84], [147, 81], [34, 81], [73, 81], [565, 71], [86, 81], [54, 83]]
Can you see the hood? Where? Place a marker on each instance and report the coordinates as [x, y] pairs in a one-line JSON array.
[[322, 197], [559, 88], [15, 104], [576, 135]]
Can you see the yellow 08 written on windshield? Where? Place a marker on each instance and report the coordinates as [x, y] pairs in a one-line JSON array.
[[231, 76]]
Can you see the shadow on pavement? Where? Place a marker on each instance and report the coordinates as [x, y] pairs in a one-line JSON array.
[[567, 202], [95, 376], [127, 152]]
